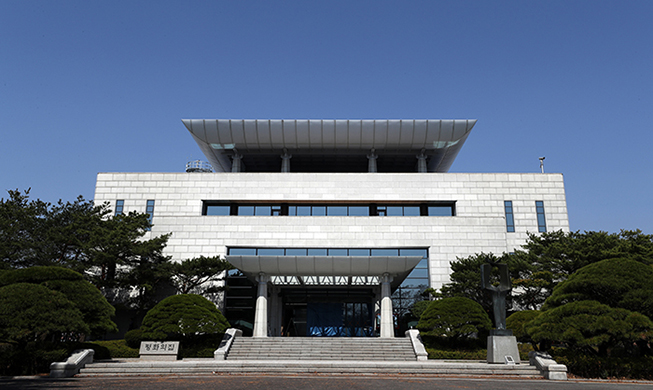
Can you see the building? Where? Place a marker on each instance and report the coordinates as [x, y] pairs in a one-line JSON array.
[[327, 219]]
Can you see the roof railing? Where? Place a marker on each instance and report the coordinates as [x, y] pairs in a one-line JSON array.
[[198, 166]]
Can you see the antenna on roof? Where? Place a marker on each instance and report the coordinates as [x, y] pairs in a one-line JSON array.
[[542, 163]]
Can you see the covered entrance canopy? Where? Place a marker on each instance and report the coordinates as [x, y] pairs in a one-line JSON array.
[[325, 271]]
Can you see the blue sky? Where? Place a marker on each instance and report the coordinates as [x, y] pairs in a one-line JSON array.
[[102, 86]]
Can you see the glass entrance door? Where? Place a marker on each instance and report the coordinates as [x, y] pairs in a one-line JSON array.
[[328, 313]]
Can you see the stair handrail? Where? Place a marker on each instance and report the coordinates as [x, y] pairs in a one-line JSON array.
[[418, 346], [225, 345], [72, 365]]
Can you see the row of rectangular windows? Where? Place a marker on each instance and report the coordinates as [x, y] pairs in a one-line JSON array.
[[441, 209], [432, 209], [510, 217]]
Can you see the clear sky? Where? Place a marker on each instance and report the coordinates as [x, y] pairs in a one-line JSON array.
[[102, 86]]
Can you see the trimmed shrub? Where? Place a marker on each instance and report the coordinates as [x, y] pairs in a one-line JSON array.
[[38, 275], [419, 307], [114, 349], [33, 312], [454, 320], [96, 311], [516, 322], [133, 338], [620, 283], [183, 317], [475, 354], [591, 366], [591, 327]]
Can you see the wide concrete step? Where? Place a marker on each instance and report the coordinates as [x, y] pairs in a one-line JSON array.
[[136, 367], [321, 348]]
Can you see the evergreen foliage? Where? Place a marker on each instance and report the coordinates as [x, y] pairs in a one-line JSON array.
[[109, 251], [418, 308], [199, 275], [454, 318], [466, 279], [618, 283], [90, 302], [550, 258], [33, 313], [517, 321], [590, 327], [182, 317], [133, 338], [544, 261]]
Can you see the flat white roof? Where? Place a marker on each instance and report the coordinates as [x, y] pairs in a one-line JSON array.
[[311, 141]]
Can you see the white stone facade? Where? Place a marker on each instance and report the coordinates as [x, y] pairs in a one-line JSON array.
[[478, 226]]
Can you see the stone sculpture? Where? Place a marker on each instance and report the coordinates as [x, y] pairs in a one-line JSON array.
[[499, 293]]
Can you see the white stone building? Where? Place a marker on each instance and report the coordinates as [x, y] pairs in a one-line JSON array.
[[329, 217]]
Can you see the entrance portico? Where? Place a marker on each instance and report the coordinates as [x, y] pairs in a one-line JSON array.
[[380, 274]]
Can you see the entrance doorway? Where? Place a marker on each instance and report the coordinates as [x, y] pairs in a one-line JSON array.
[[325, 313]]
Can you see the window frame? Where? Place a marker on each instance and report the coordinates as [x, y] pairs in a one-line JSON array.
[[149, 210], [120, 207], [541, 216], [510, 216]]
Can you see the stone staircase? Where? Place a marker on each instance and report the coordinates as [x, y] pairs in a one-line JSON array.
[[322, 348], [312, 356], [195, 367]]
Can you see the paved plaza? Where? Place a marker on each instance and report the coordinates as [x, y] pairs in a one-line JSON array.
[[313, 382]]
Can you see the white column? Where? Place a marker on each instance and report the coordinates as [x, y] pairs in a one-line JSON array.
[[236, 163], [285, 161], [387, 323], [421, 162], [261, 313], [371, 164], [274, 323]]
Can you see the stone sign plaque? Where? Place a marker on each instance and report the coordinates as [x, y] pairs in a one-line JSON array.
[[159, 350]]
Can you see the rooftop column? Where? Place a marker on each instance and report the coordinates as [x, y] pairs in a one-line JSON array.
[[387, 323], [285, 161], [421, 162], [261, 313], [236, 163], [371, 163]]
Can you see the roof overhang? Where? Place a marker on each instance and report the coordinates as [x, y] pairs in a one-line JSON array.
[[260, 142], [350, 267]]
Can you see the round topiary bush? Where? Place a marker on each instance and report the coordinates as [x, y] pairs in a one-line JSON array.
[[590, 327], [97, 312], [455, 318], [183, 317], [133, 338], [31, 312], [619, 283]]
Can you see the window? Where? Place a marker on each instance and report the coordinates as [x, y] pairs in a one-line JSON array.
[[217, 209], [541, 221], [510, 218], [149, 210], [442, 209], [120, 205]]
